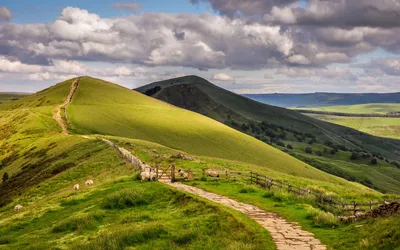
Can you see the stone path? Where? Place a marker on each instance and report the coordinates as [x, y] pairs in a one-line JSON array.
[[286, 235], [57, 115]]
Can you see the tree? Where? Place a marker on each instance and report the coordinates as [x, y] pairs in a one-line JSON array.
[[355, 156], [374, 161], [5, 177], [280, 143], [308, 150], [289, 146], [319, 153], [333, 151]]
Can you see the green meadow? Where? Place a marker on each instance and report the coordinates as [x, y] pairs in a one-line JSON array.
[[120, 212], [371, 108]]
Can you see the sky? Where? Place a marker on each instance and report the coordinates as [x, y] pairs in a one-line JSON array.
[[246, 46]]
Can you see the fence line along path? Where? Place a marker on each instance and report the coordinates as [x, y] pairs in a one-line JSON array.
[[286, 235]]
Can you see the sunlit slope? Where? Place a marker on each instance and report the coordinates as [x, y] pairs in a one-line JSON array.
[[103, 108], [371, 108]]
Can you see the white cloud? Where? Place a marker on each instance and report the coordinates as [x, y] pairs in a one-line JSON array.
[[5, 14], [221, 77]]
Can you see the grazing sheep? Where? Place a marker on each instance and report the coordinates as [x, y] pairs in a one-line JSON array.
[[76, 187], [17, 208], [182, 174], [211, 173], [147, 175], [89, 182]]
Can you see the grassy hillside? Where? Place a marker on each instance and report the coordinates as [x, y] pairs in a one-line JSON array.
[[370, 108], [382, 127], [119, 212], [103, 108], [9, 97], [282, 127]]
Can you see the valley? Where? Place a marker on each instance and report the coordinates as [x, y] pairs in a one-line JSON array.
[[43, 163]]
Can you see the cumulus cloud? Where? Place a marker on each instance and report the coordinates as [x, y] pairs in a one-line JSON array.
[[221, 77], [154, 39], [5, 14], [133, 7], [336, 73]]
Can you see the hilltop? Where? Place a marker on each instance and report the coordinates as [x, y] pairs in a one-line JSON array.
[[275, 125], [118, 211]]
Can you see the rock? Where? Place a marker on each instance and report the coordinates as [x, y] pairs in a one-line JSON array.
[[183, 157]]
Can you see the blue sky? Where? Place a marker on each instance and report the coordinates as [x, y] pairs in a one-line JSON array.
[[43, 11], [272, 46]]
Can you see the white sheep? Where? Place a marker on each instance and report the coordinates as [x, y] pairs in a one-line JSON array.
[[76, 187], [147, 175], [17, 208], [89, 182], [211, 173], [182, 174]]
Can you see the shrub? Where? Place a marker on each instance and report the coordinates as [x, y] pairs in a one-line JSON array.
[[321, 218], [85, 222], [125, 199], [5, 177], [355, 156], [245, 190], [308, 150], [333, 151], [319, 153], [280, 143], [374, 161], [289, 146], [396, 164]]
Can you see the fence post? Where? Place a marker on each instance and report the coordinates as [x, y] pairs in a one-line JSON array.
[[190, 175], [226, 174], [370, 205], [204, 173], [157, 171], [355, 208], [251, 177], [173, 173], [265, 182], [289, 188], [257, 179]]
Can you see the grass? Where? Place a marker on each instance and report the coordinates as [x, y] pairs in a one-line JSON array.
[[118, 211], [137, 116], [382, 127], [372, 108]]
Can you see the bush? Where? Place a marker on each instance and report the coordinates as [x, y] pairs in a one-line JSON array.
[[333, 151], [5, 177], [319, 153], [280, 143], [125, 199], [246, 190], [355, 156], [289, 146], [374, 161], [308, 150], [396, 164], [321, 218]]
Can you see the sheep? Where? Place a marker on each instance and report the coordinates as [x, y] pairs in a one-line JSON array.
[[147, 175], [182, 174], [89, 182], [76, 187], [211, 173], [18, 208]]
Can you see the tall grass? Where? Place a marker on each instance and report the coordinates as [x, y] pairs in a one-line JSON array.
[[127, 199]]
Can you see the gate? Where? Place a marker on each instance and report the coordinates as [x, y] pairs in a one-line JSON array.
[[165, 172]]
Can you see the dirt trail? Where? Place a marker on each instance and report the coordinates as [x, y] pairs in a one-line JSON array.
[[57, 115], [286, 235]]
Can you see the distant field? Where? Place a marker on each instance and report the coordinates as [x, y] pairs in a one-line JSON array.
[[8, 97], [373, 108], [382, 127]]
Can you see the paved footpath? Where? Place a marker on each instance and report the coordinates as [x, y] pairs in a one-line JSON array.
[[286, 235]]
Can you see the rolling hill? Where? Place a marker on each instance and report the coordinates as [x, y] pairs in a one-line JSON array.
[[223, 105], [119, 212], [280, 126], [323, 99]]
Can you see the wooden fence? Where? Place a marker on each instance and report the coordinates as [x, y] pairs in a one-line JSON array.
[[343, 207]]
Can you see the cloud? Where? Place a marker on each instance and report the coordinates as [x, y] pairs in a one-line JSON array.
[[200, 41], [299, 59], [221, 77], [133, 7], [5, 14], [328, 73]]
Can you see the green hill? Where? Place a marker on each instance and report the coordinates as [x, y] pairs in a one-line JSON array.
[[119, 212], [279, 127]]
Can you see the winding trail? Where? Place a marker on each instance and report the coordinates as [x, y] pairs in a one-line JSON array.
[[57, 115], [286, 235]]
